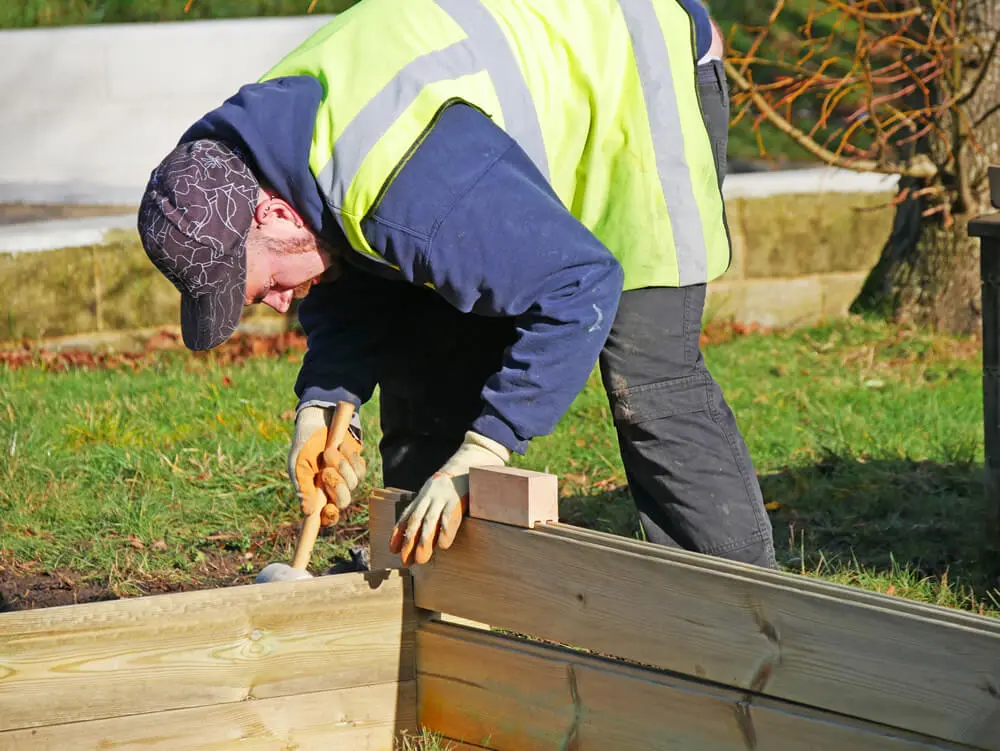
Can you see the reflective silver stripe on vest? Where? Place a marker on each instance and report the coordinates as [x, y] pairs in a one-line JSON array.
[[519, 114], [653, 61], [382, 110], [486, 49]]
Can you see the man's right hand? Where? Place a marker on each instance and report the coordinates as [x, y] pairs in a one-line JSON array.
[[308, 470]]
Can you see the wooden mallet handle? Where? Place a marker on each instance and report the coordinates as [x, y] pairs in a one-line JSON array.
[[335, 435]]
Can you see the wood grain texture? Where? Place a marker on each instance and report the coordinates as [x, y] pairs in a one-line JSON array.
[[881, 664], [109, 659], [511, 495], [802, 583], [384, 508], [431, 615], [366, 718], [514, 696]]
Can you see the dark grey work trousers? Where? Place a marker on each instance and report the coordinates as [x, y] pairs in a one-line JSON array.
[[688, 468]]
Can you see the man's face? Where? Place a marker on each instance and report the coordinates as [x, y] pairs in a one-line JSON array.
[[284, 257]]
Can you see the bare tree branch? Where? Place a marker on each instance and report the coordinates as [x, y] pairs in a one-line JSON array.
[[920, 168]]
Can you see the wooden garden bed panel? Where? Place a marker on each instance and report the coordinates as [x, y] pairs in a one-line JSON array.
[[194, 649], [801, 583], [366, 718], [878, 663], [509, 695]]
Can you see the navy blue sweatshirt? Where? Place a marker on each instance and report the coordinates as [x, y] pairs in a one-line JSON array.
[[470, 214]]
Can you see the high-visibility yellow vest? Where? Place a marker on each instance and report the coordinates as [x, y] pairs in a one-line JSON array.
[[601, 94]]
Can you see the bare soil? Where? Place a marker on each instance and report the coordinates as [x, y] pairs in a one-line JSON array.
[[21, 589]]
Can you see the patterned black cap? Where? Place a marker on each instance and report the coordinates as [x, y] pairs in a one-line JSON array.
[[193, 221]]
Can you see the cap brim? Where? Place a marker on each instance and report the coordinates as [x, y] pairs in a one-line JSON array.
[[210, 319]]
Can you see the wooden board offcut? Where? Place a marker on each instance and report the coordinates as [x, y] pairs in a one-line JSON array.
[[511, 495], [881, 664], [193, 649], [366, 718], [509, 695]]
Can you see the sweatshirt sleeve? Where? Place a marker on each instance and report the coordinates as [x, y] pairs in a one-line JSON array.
[[344, 340], [470, 215]]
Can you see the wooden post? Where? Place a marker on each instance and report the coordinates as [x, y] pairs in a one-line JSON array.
[[987, 229], [384, 508]]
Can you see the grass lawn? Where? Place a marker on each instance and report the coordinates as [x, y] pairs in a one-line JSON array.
[[168, 471], [165, 471]]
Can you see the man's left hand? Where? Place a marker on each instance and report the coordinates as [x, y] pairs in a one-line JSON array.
[[432, 519]]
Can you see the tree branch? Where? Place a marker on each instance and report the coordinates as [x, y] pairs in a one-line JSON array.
[[920, 167]]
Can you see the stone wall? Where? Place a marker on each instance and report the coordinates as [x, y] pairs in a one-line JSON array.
[[797, 259], [88, 111]]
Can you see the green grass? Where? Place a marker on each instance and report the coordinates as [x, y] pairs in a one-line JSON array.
[[171, 471], [867, 439]]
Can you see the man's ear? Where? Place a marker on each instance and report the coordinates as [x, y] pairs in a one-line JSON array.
[[273, 209]]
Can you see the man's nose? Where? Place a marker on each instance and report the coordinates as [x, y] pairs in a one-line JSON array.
[[279, 301]]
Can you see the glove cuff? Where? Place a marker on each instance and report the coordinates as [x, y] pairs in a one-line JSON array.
[[315, 415], [478, 440], [311, 418]]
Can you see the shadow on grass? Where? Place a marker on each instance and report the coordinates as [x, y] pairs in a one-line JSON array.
[[930, 518], [883, 523]]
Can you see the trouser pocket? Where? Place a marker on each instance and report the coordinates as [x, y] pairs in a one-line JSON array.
[[689, 469]]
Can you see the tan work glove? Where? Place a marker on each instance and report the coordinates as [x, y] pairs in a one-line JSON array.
[[437, 511], [308, 470]]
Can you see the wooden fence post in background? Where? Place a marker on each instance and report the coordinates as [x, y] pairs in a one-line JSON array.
[[987, 229]]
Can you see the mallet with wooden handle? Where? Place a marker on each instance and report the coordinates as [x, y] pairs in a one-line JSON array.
[[335, 435]]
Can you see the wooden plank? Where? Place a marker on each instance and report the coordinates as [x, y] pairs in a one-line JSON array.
[[431, 615], [510, 495], [803, 583], [109, 659], [876, 663], [516, 696], [365, 717]]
